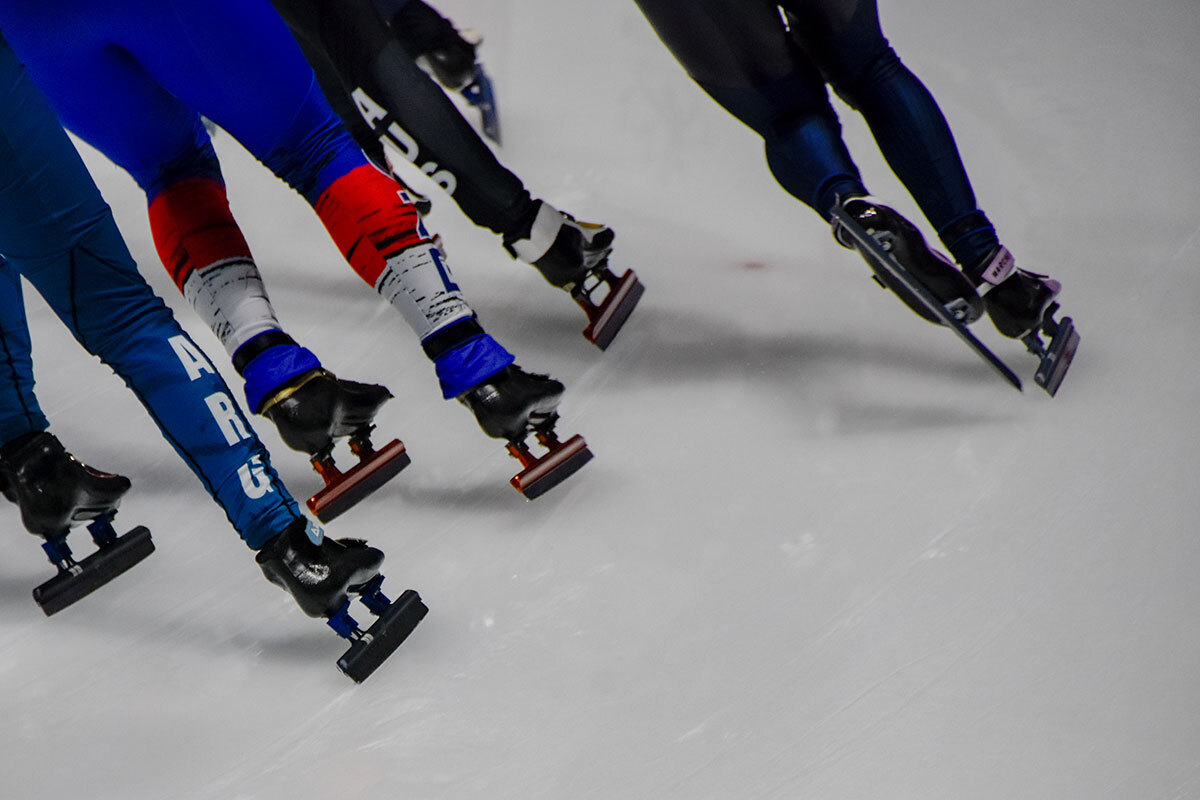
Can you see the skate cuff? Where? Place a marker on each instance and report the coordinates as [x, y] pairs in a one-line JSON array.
[[470, 364], [273, 368], [542, 234], [998, 267]]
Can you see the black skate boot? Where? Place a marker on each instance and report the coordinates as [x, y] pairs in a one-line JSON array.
[[55, 491], [934, 271], [434, 43], [1022, 304], [430, 37], [573, 256], [1015, 299], [318, 576], [514, 404], [322, 577], [317, 408]]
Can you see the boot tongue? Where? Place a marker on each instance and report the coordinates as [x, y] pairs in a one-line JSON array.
[[304, 537], [315, 533]]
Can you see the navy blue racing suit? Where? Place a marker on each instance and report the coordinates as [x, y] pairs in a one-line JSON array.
[[768, 63]]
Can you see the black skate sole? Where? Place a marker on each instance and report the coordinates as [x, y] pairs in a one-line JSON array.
[[71, 585], [383, 637], [348, 489], [607, 320], [553, 468]]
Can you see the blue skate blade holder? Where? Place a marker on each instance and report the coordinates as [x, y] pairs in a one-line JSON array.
[[480, 93], [76, 580], [370, 648]]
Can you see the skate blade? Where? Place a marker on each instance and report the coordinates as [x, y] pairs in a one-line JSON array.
[[553, 468], [111, 560], [344, 492], [381, 640], [865, 243], [1058, 357], [607, 320]]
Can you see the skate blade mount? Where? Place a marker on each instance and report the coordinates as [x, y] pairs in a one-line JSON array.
[[371, 647], [77, 579], [541, 474], [343, 490], [480, 93], [606, 318], [947, 316], [1054, 358]]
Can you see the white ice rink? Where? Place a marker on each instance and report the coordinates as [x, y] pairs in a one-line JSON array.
[[822, 551]]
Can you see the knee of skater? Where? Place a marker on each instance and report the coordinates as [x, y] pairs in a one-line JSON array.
[[200, 162], [856, 81]]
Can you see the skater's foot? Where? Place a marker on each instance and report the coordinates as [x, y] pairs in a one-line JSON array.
[[52, 487], [432, 38], [901, 238], [317, 407], [563, 249], [512, 403], [319, 576], [1017, 300]]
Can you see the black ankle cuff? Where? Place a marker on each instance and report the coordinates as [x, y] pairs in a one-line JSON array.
[[421, 29], [257, 346], [523, 228], [451, 337], [14, 446], [964, 226]]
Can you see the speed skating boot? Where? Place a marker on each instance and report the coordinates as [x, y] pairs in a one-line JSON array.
[[513, 405], [573, 256]]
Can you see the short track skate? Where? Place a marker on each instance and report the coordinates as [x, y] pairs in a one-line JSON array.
[[77, 579], [515, 405], [343, 490], [395, 621], [315, 412], [1054, 356], [950, 316], [542, 473], [608, 301]]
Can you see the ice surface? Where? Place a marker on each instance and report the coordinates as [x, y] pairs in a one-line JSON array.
[[822, 551]]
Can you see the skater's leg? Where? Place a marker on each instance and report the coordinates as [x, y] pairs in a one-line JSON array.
[[163, 144], [740, 54], [383, 97], [236, 63], [57, 230], [19, 410], [402, 106], [845, 39], [304, 144], [109, 99]]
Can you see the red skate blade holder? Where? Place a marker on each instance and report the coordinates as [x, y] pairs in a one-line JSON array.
[[541, 474], [343, 490], [606, 318]]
